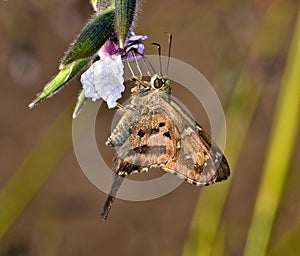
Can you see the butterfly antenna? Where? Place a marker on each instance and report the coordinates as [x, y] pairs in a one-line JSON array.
[[133, 55], [130, 68], [137, 63], [148, 64], [169, 51], [112, 196], [159, 54]]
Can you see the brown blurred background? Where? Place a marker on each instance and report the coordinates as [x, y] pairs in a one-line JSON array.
[[62, 219]]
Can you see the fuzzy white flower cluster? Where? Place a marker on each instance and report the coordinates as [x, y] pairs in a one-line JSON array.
[[104, 79]]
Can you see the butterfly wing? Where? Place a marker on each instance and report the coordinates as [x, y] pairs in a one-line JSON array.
[[143, 137], [155, 131], [198, 160]]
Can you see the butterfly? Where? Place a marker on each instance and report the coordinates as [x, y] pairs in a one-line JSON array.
[[155, 131]]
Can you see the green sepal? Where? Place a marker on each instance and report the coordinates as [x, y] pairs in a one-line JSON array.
[[100, 5], [92, 37], [95, 33], [80, 104], [63, 76], [125, 11]]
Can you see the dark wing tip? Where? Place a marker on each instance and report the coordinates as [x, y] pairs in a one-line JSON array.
[[223, 171]]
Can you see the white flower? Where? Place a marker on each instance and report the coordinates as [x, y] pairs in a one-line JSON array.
[[104, 79]]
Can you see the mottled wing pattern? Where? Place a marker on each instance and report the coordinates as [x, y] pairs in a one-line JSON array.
[[155, 131], [142, 138], [199, 160]]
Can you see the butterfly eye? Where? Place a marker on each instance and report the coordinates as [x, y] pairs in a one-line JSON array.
[[158, 83]]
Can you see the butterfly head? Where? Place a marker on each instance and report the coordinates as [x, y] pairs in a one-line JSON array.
[[161, 83]]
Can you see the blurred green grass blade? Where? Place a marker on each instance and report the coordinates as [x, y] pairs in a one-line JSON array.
[[208, 214], [34, 171], [289, 245], [283, 140], [209, 209]]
